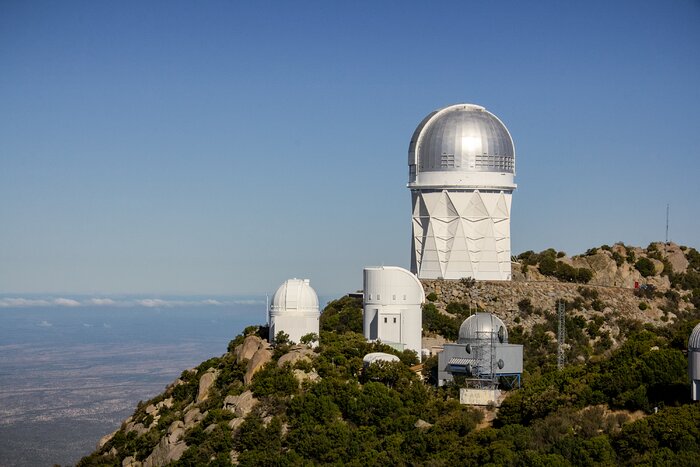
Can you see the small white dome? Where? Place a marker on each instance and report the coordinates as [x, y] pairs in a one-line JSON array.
[[379, 357], [694, 340], [483, 326], [294, 296]]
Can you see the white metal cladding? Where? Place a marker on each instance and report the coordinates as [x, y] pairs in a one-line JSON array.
[[461, 233], [694, 339], [392, 306], [694, 363], [482, 326], [464, 138], [294, 310], [461, 175]]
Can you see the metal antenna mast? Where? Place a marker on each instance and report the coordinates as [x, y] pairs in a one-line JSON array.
[[667, 209], [561, 335]]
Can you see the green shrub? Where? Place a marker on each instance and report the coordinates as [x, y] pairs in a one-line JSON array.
[[645, 267], [432, 297]]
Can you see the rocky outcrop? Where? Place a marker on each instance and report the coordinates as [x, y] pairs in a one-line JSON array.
[[240, 405], [130, 461], [205, 383], [169, 449], [247, 349], [422, 424], [296, 354], [106, 439], [676, 258], [193, 416], [165, 453], [303, 376], [259, 359]]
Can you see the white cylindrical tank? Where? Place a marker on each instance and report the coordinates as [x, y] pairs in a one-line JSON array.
[[294, 310], [694, 363], [461, 163], [392, 304]]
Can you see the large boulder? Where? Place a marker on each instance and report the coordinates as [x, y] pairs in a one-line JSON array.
[[105, 439], [176, 431], [165, 453], [676, 257], [302, 376], [136, 427], [192, 417], [261, 357], [130, 461], [658, 266], [296, 354], [205, 383], [247, 349], [240, 405]]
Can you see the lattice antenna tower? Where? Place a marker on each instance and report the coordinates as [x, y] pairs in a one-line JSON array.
[[561, 334], [486, 355]]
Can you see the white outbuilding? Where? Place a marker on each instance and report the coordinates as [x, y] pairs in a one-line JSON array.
[[294, 310], [694, 363], [482, 352], [392, 314]]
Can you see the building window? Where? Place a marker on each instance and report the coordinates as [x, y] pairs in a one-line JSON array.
[[394, 320], [385, 319], [370, 297], [393, 297], [404, 296], [378, 297]]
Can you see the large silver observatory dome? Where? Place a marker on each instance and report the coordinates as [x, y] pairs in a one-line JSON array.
[[461, 138], [483, 326]]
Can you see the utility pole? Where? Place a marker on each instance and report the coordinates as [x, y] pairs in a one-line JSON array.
[[561, 334]]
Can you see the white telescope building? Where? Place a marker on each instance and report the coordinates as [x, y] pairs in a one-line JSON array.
[[294, 310], [392, 310], [461, 164], [694, 363]]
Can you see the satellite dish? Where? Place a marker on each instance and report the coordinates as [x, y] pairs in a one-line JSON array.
[[468, 348], [501, 364], [501, 334]]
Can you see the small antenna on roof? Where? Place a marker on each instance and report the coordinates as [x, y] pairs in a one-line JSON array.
[[667, 210]]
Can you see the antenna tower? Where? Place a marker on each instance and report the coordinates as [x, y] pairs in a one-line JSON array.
[[667, 209], [561, 334]]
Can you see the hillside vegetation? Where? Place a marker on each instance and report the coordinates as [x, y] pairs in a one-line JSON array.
[[623, 398]]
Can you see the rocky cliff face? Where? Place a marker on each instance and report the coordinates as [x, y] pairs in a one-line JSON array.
[[616, 294], [188, 411]]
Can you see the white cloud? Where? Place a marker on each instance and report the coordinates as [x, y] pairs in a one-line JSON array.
[[153, 302], [21, 302], [66, 302], [211, 301], [101, 301], [45, 324]]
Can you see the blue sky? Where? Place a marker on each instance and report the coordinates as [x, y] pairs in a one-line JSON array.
[[223, 147]]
